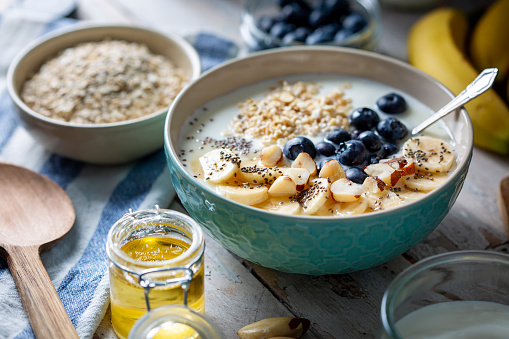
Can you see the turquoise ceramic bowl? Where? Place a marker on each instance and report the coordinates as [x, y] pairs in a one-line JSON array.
[[315, 245]]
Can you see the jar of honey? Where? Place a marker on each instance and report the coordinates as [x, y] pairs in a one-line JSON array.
[[176, 322], [156, 259]]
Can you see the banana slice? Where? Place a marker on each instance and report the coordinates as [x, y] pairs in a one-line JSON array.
[[424, 182], [281, 205], [411, 195], [290, 208], [383, 200], [247, 195], [219, 165], [344, 190], [259, 175], [351, 208], [429, 154], [314, 197]]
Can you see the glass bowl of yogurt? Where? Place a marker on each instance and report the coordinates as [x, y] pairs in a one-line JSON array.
[[460, 294], [229, 188]]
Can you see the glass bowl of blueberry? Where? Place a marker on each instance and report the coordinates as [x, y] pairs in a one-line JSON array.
[[278, 23]]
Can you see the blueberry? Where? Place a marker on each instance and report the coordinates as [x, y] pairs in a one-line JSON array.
[[374, 159], [392, 103], [337, 136], [322, 34], [352, 152], [388, 149], [364, 118], [354, 22], [355, 134], [265, 23], [391, 129], [319, 17], [300, 35], [280, 29], [337, 8], [294, 13], [325, 148], [341, 35], [356, 175], [302, 3], [372, 141], [297, 145]]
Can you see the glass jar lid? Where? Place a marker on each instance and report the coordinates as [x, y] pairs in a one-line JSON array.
[[174, 321]]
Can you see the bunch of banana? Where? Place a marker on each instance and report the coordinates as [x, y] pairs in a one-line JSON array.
[[489, 46], [437, 46]]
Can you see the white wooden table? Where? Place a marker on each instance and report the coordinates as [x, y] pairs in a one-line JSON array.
[[339, 306]]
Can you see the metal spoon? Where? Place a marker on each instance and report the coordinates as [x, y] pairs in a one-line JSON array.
[[481, 84]]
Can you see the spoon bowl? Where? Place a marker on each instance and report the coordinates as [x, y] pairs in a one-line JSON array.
[[36, 213]]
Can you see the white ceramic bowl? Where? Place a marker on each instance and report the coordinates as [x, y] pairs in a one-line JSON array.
[[108, 143]]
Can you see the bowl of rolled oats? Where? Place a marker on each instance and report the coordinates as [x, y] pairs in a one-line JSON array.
[[100, 93], [301, 158]]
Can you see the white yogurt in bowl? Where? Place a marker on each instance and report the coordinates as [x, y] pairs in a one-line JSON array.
[[216, 126]]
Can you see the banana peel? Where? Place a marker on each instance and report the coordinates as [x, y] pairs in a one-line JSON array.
[[436, 45], [489, 46]]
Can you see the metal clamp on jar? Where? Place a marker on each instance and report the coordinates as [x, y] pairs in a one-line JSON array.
[[156, 259]]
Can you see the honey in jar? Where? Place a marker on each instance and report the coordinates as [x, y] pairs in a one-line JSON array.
[[156, 259]]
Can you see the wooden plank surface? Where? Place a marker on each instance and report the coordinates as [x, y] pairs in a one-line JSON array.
[[339, 306]]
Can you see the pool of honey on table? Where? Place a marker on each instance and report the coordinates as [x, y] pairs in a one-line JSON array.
[[127, 296]]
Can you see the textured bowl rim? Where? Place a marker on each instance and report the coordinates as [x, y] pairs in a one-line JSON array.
[[189, 50], [168, 145]]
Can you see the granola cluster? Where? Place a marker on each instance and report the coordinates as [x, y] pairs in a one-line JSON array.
[[103, 82], [292, 110]]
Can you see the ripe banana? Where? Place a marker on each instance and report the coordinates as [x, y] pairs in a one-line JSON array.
[[489, 46], [429, 154], [219, 165], [436, 46]]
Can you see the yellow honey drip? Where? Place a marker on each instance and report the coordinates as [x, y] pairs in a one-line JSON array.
[[127, 296]]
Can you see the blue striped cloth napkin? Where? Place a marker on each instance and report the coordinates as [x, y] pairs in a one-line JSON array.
[[101, 195]]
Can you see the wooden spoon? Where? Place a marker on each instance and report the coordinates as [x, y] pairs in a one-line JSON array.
[[34, 213], [503, 203]]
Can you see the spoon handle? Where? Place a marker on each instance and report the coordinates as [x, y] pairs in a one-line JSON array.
[[480, 85], [40, 299]]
